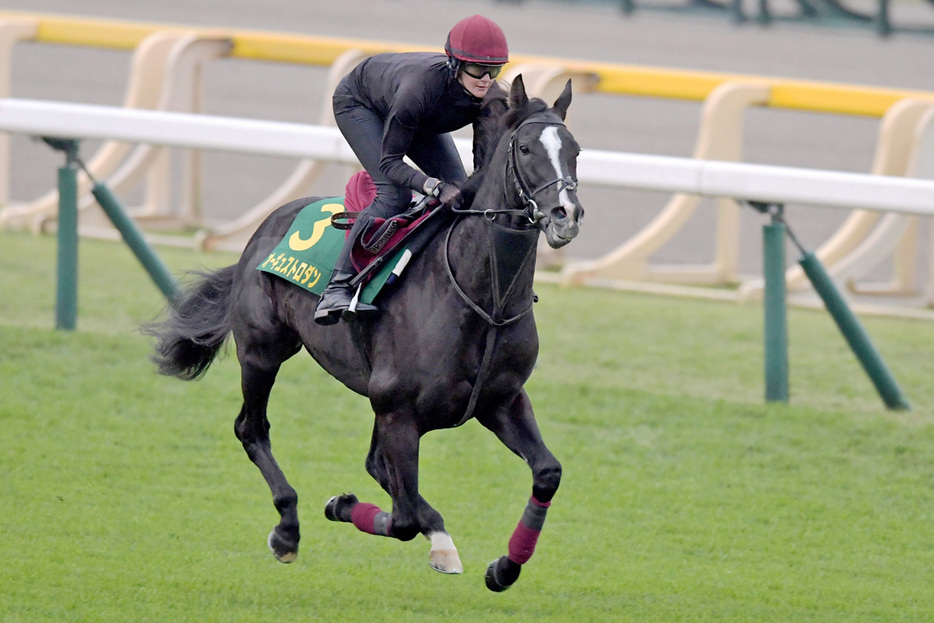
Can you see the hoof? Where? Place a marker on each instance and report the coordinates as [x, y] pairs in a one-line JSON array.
[[284, 550], [501, 574], [446, 561], [340, 506], [443, 556]]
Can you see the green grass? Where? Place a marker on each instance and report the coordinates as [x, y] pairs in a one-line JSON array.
[[126, 496]]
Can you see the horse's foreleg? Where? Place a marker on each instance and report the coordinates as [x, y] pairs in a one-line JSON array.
[[443, 555], [515, 426], [398, 476], [252, 429]]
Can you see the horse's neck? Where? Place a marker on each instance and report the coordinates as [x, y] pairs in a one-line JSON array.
[[493, 262], [493, 265]]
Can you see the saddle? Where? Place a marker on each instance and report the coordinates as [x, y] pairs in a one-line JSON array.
[[384, 235], [307, 253]]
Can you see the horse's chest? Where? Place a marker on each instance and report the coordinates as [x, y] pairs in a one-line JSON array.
[[440, 383]]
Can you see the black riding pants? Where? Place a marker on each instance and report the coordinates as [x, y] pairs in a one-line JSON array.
[[434, 154]]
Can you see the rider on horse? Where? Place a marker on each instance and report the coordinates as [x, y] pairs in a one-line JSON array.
[[406, 104]]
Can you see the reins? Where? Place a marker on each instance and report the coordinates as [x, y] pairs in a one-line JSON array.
[[494, 319], [532, 212]]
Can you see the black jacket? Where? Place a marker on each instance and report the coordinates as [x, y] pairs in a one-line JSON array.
[[412, 92]]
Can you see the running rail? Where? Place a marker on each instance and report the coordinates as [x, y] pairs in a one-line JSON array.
[[766, 185], [762, 183], [609, 78]]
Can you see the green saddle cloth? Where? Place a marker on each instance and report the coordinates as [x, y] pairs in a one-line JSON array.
[[307, 253]]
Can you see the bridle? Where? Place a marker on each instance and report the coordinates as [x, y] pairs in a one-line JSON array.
[[530, 210], [495, 319], [527, 197], [530, 207]]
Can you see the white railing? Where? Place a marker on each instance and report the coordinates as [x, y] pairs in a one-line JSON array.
[[908, 197], [634, 171], [765, 183]]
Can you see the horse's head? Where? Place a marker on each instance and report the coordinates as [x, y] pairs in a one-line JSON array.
[[542, 163]]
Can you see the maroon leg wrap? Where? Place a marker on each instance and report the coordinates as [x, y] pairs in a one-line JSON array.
[[523, 539], [370, 519]]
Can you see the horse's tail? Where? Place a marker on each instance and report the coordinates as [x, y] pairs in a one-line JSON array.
[[196, 328]]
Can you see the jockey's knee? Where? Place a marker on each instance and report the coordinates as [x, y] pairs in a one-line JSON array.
[[390, 201]]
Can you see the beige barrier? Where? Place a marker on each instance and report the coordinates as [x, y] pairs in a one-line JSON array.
[[895, 147], [893, 151], [611, 78], [165, 75], [12, 31], [302, 177], [896, 236], [928, 291], [720, 138], [924, 167], [725, 96]]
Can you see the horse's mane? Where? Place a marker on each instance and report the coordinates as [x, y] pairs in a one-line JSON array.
[[515, 116], [488, 128], [496, 118]]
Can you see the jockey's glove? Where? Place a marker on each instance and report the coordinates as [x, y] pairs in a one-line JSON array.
[[449, 194], [446, 192]]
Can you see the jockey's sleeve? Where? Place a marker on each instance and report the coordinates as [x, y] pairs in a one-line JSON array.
[[397, 138]]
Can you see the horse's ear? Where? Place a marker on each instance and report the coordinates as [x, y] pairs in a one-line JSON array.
[[563, 101], [517, 95]]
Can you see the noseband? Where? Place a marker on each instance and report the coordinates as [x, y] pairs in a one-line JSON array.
[[527, 197]]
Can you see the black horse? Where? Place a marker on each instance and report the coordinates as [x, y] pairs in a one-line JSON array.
[[455, 338]]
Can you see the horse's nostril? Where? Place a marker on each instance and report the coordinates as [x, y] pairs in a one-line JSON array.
[[559, 214]]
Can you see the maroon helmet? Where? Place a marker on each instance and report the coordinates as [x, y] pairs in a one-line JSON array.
[[477, 39]]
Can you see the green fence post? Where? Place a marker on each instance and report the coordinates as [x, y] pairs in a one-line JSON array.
[[134, 239], [854, 333], [66, 297], [774, 307], [883, 25]]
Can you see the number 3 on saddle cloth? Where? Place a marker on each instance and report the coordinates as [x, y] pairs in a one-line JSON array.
[[307, 253]]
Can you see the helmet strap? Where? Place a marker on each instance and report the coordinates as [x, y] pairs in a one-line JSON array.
[[454, 65]]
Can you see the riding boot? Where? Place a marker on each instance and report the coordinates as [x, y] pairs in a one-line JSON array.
[[338, 296]]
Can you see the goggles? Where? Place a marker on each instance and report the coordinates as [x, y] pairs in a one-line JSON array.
[[477, 70]]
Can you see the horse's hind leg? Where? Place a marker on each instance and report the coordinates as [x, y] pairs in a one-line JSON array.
[[259, 364], [514, 424]]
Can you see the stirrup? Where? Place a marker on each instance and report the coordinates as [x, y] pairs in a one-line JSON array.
[[357, 306], [342, 308]]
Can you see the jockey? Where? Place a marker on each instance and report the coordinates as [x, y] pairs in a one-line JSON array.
[[406, 104]]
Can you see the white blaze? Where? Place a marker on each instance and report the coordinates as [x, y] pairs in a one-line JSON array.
[[552, 143]]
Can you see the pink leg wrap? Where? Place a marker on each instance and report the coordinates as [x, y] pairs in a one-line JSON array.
[[523, 539], [370, 519]]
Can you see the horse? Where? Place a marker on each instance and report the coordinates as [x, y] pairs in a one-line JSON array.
[[454, 339]]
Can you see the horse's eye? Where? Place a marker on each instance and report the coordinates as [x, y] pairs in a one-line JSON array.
[[524, 149]]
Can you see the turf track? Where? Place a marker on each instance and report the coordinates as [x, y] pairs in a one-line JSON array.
[[127, 498]]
